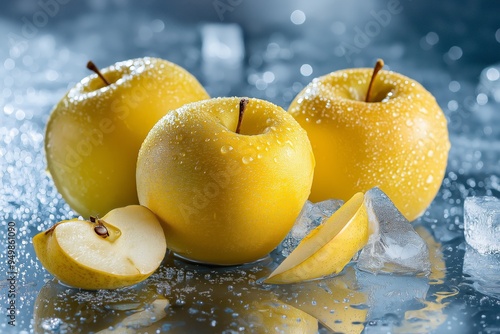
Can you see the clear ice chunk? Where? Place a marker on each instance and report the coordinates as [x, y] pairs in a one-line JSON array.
[[484, 271], [393, 246], [482, 223], [311, 216]]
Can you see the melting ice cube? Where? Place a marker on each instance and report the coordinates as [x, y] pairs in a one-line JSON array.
[[311, 216], [484, 270], [482, 223], [393, 246]]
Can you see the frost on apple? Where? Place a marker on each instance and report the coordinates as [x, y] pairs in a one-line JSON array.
[[393, 246], [311, 216]]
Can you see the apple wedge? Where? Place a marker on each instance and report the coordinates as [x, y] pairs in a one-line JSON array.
[[328, 248], [123, 248]]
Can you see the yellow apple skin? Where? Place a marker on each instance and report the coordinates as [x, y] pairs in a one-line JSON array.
[[400, 144], [225, 198], [79, 257], [94, 133]]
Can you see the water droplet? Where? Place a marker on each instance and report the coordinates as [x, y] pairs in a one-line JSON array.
[[225, 149], [430, 178], [247, 160], [430, 153]]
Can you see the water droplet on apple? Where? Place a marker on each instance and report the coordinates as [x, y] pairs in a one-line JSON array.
[[409, 122], [430, 178], [430, 153], [247, 160], [225, 149]]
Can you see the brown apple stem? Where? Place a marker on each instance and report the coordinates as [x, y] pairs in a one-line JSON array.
[[91, 66], [243, 105], [378, 66]]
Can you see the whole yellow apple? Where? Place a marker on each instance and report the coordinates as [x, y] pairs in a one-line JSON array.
[[395, 137], [227, 186], [94, 133], [123, 248]]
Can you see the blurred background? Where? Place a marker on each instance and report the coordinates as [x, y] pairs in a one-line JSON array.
[[256, 48]]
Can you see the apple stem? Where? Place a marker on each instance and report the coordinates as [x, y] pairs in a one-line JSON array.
[[91, 66], [243, 105], [378, 66]]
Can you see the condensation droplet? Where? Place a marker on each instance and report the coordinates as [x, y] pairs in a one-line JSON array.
[[247, 160], [225, 149]]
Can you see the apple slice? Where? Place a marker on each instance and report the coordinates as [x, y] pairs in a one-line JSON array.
[[328, 248], [123, 248]]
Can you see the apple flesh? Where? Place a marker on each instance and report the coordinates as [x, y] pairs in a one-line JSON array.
[[94, 133], [123, 248], [398, 141], [224, 197]]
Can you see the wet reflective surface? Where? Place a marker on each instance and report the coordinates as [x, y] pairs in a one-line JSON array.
[[270, 52]]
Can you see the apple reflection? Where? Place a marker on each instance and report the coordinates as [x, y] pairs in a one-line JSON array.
[[187, 297]]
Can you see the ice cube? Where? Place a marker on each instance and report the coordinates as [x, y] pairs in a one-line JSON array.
[[484, 271], [311, 216], [482, 223], [393, 246]]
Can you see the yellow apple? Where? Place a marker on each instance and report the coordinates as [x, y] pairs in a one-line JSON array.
[[395, 138], [94, 133], [328, 248], [225, 196], [123, 248]]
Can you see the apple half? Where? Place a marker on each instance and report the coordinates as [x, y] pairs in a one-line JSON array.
[[123, 248]]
